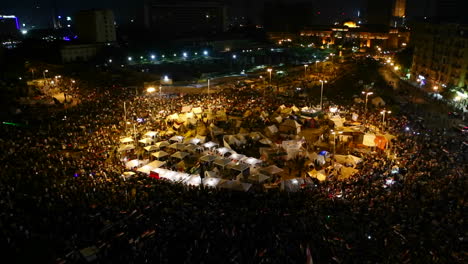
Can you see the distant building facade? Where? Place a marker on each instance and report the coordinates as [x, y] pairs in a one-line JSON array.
[[185, 19], [440, 54], [399, 13], [79, 52], [9, 27], [95, 26], [361, 36]]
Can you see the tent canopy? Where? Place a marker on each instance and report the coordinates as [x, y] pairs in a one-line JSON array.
[[126, 140], [160, 154], [180, 155], [272, 170]]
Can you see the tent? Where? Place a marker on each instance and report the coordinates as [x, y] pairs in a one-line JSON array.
[[126, 140], [150, 134], [338, 121], [223, 150], [369, 140], [380, 142], [178, 146], [271, 170], [192, 148], [236, 156], [292, 185], [252, 161], [258, 178], [176, 139], [208, 158], [222, 162], [180, 155], [290, 126], [235, 185], [160, 154], [156, 164], [125, 147], [211, 182], [210, 144], [348, 159], [266, 141], [151, 148], [194, 180], [162, 144], [146, 140], [145, 169], [134, 163], [271, 130], [197, 110], [319, 175], [378, 101]]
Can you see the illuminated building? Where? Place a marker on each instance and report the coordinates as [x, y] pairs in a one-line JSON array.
[[185, 18], [440, 54], [95, 26], [9, 27], [362, 36], [398, 13]]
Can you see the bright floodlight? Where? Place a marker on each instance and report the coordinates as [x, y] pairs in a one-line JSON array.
[[151, 89], [166, 78], [24, 32], [129, 58], [153, 57], [234, 56], [184, 54], [269, 69], [205, 52]]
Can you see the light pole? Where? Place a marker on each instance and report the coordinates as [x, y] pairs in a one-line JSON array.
[[321, 94], [334, 140], [305, 70], [384, 112], [160, 88], [269, 71], [208, 86], [316, 67], [367, 97], [125, 117], [44, 72]]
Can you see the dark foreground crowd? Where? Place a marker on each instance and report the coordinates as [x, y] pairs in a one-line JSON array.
[[55, 202]]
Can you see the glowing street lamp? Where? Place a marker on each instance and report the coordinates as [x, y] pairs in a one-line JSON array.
[[316, 62], [321, 93], [367, 97], [129, 58], [208, 86], [334, 133], [305, 70], [383, 113], [153, 57], [44, 73], [205, 52], [435, 88]]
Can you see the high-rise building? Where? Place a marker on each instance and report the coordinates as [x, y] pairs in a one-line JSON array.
[[9, 27], [179, 19], [95, 26], [399, 8], [440, 54], [398, 13]]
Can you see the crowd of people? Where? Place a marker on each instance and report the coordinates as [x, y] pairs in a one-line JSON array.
[[62, 192]]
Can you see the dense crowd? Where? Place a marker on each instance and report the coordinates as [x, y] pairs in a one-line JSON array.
[[61, 191]]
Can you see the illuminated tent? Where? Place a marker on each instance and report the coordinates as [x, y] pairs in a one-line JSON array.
[[160, 154]]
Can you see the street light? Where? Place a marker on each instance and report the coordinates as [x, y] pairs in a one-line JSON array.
[[367, 96], [44, 73], [305, 70], [208, 86], [316, 67], [269, 71], [436, 88], [129, 58], [151, 89], [321, 94], [334, 133], [383, 113]]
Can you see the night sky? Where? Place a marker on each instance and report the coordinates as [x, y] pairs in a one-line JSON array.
[[39, 12]]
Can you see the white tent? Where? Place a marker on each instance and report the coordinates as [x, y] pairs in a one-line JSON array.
[[145, 169], [271, 130], [145, 140], [197, 110], [211, 182], [194, 180], [126, 140], [151, 134], [210, 144], [369, 140], [177, 139], [223, 150], [347, 159], [134, 163], [252, 161], [125, 147]]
